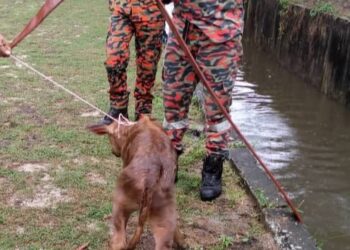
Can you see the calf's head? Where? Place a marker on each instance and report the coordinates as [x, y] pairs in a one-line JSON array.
[[117, 134]]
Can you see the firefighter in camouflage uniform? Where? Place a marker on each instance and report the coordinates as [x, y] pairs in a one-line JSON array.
[[213, 30], [143, 19]]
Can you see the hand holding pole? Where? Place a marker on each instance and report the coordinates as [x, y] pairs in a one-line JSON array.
[[44, 11]]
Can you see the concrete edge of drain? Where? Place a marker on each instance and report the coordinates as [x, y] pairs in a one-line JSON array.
[[287, 232]]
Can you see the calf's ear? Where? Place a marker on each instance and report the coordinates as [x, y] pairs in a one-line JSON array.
[[99, 129]]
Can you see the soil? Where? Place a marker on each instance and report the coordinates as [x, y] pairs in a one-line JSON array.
[[204, 232], [45, 194], [205, 225]]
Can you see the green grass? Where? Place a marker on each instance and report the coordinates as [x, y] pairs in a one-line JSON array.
[[255, 230], [234, 196], [99, 212], [42, 124], [284, 4], [322, 7], [224, 242], [263, 200]]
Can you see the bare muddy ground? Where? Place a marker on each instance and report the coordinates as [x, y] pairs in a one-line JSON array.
[[231, 222]]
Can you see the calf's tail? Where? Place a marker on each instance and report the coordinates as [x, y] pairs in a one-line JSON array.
[[144, 211]]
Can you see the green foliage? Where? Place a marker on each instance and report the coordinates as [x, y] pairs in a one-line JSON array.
[[14, 177], [189, 183], [319, 244], [234, 196], [284, 4], [194, 150], [255, 230], [72, 178], [262, 199], [237, 144], [99, 212], [60, 135], [322, 7], [225, 242]]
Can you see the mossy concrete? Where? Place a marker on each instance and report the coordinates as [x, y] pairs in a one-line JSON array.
[[316, 48], [288, 233]]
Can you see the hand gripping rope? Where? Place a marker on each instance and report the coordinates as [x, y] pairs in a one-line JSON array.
[[50, 5]]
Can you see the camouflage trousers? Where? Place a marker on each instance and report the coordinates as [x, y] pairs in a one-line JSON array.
[[148, 43], [219, 64]]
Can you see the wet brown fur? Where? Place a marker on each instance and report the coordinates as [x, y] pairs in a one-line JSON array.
[[146, 183]]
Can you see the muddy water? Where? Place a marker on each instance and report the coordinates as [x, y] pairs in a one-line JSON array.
[[304, 138]]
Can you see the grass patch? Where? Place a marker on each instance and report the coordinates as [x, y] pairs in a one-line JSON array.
[[255, 230], [237, 144], [284, 4], [225, 242], [99, 212], [188, 183], [60, 135], [14, 177], [40, 123], [194, 151], [234, 196], [322, 7], [72, 178], [263, 199]]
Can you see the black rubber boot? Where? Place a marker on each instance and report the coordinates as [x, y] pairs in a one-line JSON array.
[[211, 177], [115, 114]]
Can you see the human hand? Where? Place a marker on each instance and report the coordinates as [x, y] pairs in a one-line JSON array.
[[5, 49]]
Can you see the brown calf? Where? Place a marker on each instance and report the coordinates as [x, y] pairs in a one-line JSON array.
[[146, 182]]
